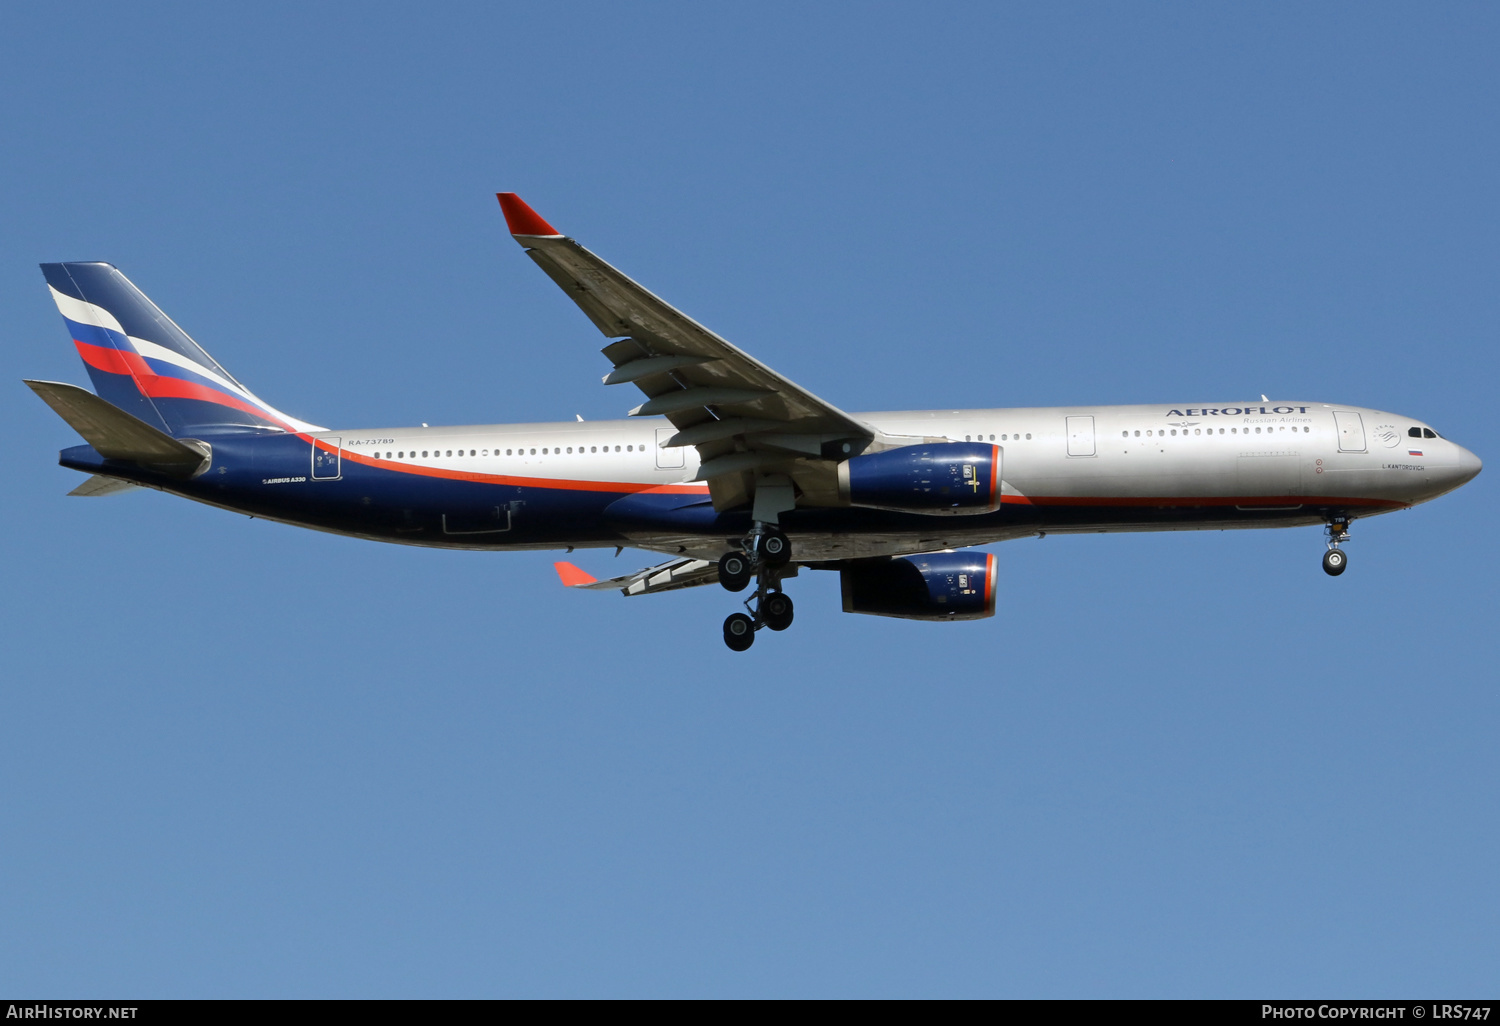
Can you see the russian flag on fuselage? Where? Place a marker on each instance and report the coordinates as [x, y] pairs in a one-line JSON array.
[[142, 362]]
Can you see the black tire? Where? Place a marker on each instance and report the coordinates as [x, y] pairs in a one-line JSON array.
[[739, 632], [776, 610], [1335, 562], [773, 547], [734, 571]]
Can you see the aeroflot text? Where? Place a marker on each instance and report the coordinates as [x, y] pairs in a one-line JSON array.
[[1237, 411]]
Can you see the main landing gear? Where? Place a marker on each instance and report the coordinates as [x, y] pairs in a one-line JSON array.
[[1335, 560], [766, 551]]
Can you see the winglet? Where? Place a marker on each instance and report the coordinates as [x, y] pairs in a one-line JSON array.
[[521, 219], [571, 576]]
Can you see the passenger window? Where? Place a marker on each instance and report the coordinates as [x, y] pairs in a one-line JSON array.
[[533, 452], [1028, 436], [992, 438], [1428, 433], [424, 454]]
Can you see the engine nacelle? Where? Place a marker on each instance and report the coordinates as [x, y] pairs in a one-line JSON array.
[[953, 478], [938, 586]]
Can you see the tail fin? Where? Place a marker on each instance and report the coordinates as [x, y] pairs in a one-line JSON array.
[[142, 362]]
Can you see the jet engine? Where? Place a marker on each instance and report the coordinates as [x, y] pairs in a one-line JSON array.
[[953, 478], [936, 586]]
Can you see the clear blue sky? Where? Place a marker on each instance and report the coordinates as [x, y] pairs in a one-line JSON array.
[[241, 759]]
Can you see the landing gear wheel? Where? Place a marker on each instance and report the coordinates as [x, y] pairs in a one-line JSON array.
[[734, 571], [1335, 562], [739, 632], [772, 547], [776, 610]]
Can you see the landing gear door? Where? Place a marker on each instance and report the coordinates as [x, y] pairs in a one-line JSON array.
[[1351, 431], [325, 462]]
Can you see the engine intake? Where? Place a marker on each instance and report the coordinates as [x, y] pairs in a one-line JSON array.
[[937, 586], [946, 478]]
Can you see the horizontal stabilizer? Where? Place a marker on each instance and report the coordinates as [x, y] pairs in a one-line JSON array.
[[99, 486], [115, 434]]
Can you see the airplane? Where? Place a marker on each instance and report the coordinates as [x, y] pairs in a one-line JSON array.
[[738, 475]]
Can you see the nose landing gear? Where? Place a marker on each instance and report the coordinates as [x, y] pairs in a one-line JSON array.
[[769, 550], [1335, 560]]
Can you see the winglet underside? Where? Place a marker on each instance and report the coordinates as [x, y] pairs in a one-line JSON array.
[[572, 577], [521, 219]]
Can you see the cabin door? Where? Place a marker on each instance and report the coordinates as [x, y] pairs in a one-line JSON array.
[[1351, 431], [325, 464]]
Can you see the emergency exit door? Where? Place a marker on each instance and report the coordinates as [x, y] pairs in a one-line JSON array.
[[1080, 436], [668, 459]]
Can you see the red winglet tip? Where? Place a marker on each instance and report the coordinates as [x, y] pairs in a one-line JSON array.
[[521, 219], [571, 576]]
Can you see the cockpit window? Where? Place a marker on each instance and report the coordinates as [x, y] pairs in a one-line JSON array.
[[1415, 432], [1428, 433]]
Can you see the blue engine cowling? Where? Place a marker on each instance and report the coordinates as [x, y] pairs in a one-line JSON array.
[[942, 478], [938, 586]]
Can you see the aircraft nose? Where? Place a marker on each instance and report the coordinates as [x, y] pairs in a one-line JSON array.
[[1469, 465]]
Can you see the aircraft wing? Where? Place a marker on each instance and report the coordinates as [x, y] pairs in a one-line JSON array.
[[752, 427], [668, 576]]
